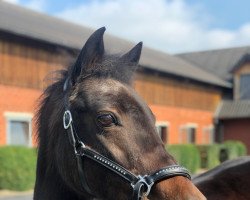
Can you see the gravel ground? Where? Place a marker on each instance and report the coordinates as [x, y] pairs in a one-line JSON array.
[[22, 197], [11, 195]]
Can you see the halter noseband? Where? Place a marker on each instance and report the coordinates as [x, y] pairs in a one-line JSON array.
[[141, 184]]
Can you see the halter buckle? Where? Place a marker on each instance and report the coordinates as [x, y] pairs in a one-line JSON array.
[[67, 119]]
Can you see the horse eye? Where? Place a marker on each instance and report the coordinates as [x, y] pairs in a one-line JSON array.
[[106, 120]]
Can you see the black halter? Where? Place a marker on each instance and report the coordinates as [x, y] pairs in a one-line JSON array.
[[141, 184]]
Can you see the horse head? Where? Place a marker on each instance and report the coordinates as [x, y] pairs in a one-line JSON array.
[[106, 120]]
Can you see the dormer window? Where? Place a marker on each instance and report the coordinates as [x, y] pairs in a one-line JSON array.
[[241, 73], [245, 86]]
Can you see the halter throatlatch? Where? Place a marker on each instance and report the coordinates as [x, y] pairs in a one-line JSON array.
[[141, 185]]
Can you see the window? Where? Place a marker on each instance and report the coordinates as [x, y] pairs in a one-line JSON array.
[[188, 133], [18, 128], [245, 86], [18, 133], [208, 135], [162, 129], [191, 131]]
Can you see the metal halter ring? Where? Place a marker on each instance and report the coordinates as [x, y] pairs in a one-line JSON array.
[[67, 119], [143, 184]]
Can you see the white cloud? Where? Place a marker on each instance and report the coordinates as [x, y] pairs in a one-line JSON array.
[[169, 25], [39, 5]]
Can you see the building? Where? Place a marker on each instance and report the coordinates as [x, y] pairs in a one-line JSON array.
[[182, 96], [232, 116]]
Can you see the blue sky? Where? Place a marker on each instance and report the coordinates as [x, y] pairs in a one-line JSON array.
[[226, 13], [173, 26]]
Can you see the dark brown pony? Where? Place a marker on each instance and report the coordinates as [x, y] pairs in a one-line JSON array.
[[112, 120], [230, 181]]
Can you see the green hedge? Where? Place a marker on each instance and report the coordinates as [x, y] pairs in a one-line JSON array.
[[210, 155], [213, 155], [235, 148], [17, 168], [194, 157], [186, 155]]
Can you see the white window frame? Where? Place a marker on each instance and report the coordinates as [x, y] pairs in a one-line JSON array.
[[163, 124], [21, 117]]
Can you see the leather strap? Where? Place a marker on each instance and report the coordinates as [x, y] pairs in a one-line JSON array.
[[83, 179], [168, 172], [109, 164]]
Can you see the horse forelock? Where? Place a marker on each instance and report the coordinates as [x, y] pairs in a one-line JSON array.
[[111, 66]]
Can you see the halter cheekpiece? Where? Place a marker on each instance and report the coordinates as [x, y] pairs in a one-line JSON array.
[[141, 184]]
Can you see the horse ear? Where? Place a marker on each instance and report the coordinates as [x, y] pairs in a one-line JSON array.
[[92, 52], [129, 63], [133, 56]]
